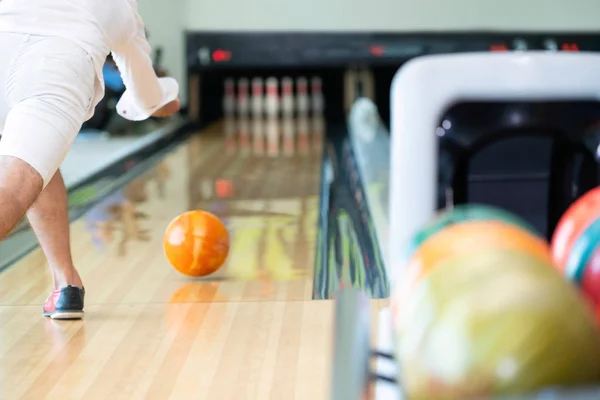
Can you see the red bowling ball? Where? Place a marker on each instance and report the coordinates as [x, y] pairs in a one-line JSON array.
[[574, 221], [590, 284], [576, 245]]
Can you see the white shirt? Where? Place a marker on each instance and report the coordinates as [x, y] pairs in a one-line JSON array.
[[100, 27]]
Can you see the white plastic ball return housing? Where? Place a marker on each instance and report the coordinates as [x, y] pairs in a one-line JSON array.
[[425, 88]]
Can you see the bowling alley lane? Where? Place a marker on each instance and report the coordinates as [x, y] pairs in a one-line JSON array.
[[267, 199], [250, 328]]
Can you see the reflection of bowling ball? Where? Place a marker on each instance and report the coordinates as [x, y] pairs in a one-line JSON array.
[[576, 244], [574, 221], [198, 292], [464, 213], [494, 322], [196, 243]]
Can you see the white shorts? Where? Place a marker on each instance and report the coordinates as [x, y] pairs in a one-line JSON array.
[[46, 91]]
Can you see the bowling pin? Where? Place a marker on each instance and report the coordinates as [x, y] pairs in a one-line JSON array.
[[272, 97], [303, 134], [230, 130], [316, 92], [242, 98], [288, 136], [257, 97], [258, 136], [229, 97], [287, 97], [272, 131], [244, 134], [318, 131], [302, 100]]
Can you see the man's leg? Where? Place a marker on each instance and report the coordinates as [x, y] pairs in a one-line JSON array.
[[20, 185], [47, 91], [49, 219], [21, 190]]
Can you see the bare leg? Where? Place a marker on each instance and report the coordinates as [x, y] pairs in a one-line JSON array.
[[49, 219], [20, 185]]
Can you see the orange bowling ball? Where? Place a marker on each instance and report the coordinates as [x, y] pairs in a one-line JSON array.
[[196, 243]]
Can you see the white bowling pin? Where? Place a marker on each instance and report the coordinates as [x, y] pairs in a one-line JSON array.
[[272, 97], [229, 97], [230, 130], [242, 97], [257, 97], [289, 138], [272, 131], [244, 134], [287, 97], [316, 89], [303, 134], [318, 131], [302, 101], [258, 136]]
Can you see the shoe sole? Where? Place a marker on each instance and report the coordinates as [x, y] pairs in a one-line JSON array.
[[65, 315]]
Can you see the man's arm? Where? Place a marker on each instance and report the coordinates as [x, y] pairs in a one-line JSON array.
[[145, 92]]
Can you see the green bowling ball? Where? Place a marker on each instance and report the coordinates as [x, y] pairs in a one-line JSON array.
[[494, 323], [464, 213]]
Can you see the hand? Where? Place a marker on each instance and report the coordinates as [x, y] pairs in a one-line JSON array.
[[168, 109]]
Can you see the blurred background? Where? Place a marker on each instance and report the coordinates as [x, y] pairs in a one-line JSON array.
[[170, 25], [167, 21]]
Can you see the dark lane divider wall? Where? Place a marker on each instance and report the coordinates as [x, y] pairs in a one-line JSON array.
[[348, 254]]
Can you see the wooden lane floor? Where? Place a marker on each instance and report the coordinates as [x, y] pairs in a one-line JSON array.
[[250, 331]]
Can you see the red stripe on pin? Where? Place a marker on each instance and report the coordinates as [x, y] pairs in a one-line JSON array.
[[316, 85], [229, 87]]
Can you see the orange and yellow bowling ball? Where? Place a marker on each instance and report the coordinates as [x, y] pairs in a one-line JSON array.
[[475, 236], [196, 243], [466, 230], [467, 317], [498, 322]]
